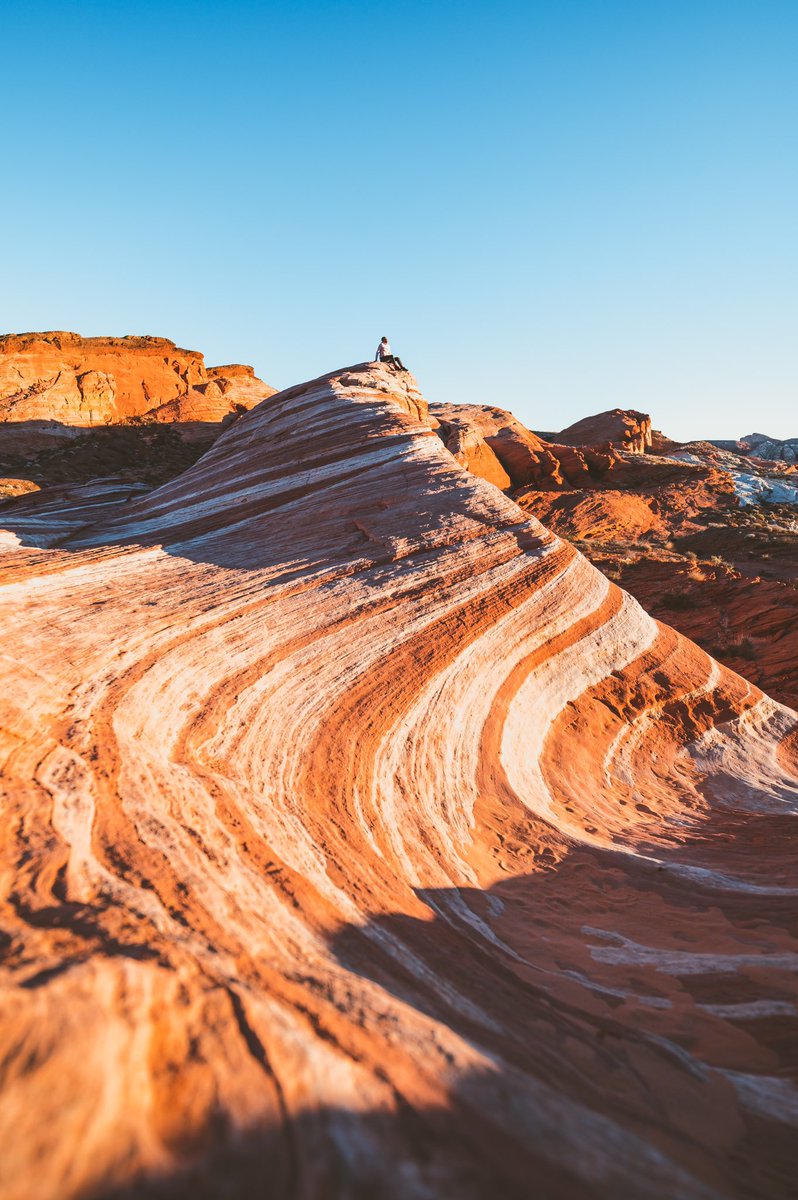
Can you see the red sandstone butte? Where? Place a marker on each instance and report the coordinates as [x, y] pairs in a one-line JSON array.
[[98, 381], [360, 838]]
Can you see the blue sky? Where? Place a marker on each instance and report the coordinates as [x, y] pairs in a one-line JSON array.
[[555, 207]]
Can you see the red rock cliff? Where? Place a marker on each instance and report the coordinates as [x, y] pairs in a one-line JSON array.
[[98, 381]]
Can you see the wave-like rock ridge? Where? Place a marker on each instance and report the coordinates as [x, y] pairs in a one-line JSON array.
[[361, 837]]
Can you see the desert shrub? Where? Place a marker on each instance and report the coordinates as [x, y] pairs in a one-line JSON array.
[[137, 422], [746, 649], [680, 601], [739, 648]]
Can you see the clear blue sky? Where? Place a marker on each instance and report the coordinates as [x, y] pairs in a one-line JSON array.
[[556, 207]]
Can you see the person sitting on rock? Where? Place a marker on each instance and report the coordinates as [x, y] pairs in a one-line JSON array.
[[384, 355]]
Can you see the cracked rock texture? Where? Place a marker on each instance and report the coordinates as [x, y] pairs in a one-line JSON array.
[[362, 839]]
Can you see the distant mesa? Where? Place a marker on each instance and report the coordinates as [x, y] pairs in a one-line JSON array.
[[762, 446], [759, 445], [83, 382]]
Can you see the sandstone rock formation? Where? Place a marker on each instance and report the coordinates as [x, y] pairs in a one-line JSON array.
[[703, 536], [362, 839], [465, 440], [662, 444], [762, 446], [61, 377], [643, 496], [494, 445], [624, 428], [746, 619], [16, 487]]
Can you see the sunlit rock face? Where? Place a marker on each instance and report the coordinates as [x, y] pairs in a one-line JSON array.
[[362, 839], [96, 381], [493, 444], [623, 427]]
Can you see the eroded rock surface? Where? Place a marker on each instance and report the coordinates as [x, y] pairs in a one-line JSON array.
[[75, 381], [361, 838], [706, 541], [494, 445], [705, 537], [761, 445], [621, 427]]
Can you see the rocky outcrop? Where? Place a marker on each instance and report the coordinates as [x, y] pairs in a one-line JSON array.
[[644, 495], [761, 446], [466, 442], [9, 488], [705, 539], [75, 381], [625, 429], [771, 449], [494, 445], [362, 838], [747, 621], [662, 444]]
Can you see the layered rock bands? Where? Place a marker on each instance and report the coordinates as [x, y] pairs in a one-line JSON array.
[[362, 839]]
